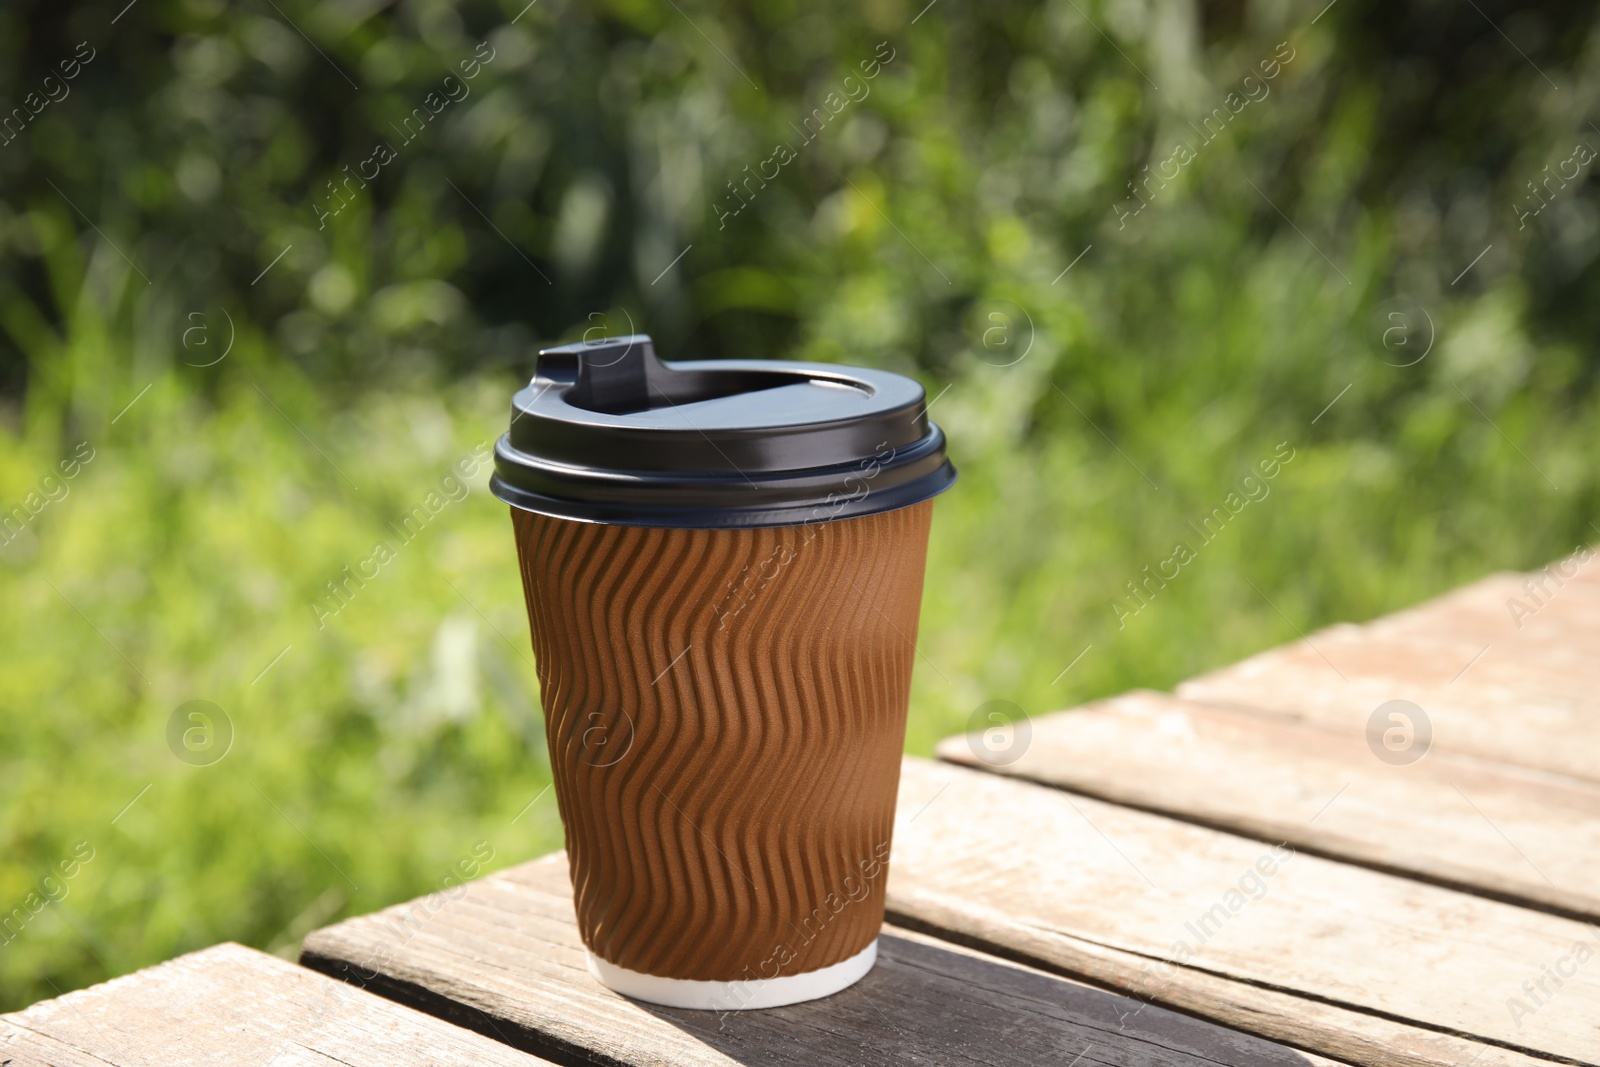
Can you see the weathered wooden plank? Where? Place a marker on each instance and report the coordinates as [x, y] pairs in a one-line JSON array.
[[233, 1005], [1517, 690], [1353, 963], [1481, 826], [504, 956], [1526, 611]]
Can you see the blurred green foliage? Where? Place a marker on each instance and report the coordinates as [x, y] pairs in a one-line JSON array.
[[592, 171]]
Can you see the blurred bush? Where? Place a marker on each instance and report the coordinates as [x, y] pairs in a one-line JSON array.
[[594, 143]]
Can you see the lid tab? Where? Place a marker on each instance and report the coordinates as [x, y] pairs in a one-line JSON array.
[[611, 375]]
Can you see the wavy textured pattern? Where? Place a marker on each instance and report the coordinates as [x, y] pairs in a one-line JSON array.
[[726, 711]]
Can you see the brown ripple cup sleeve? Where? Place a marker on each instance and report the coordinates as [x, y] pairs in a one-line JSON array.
[[725, 711]]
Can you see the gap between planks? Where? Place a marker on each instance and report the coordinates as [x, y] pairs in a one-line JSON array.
[[1444, 819], [1321, 955]]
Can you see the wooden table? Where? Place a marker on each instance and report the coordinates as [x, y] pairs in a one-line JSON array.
[[1261, 869]]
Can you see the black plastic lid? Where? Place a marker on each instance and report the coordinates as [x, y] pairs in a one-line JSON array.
[[607, 432]]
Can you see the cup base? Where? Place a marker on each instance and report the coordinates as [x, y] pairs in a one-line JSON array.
[[734, 996]]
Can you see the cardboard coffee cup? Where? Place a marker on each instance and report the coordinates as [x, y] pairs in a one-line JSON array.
[[723, 564]]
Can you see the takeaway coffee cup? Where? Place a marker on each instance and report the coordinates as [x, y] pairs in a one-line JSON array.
[[723, 565]]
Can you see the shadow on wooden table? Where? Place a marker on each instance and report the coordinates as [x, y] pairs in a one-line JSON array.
[[930, 1002], [505, 959]]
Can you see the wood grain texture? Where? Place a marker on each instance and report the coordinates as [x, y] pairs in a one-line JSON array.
[[234, 1005], [1519, 690], [1362, 966], [505, 958], [1483, 826]]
